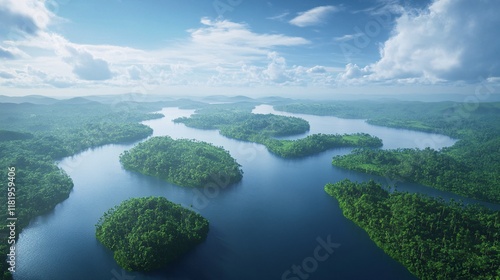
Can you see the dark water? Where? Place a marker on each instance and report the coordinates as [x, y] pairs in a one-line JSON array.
[[278, 217]]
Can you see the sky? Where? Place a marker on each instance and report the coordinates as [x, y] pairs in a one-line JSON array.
[[292, 48]]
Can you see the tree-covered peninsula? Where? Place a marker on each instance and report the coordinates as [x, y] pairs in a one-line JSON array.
[[183, 162], [259, 128], [148, 233], [432, 238], [429, 167]]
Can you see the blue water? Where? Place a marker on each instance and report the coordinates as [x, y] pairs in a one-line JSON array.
[[276, 218]]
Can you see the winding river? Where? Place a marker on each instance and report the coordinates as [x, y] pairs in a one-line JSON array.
[[277, 219]]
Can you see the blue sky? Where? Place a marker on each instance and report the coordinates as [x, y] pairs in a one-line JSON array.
[[291, 48]]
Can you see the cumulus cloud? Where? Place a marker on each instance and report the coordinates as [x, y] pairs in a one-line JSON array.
[[276, 69], [317, 69], [315, 16], [134, 72], [27, 16], [447, 41], [353, 71], [86, 67]]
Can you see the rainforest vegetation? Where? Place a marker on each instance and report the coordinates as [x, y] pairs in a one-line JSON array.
[[432, 238], [469, 168], [33, 137], [428, 167], [242, 125], [148, 233], [183, 162]]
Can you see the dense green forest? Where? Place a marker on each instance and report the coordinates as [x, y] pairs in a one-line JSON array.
[[183, 162], [469, 168], [148, 233], [317, 143], [238, 123], [33, 137], [428, 167], [432, 238]]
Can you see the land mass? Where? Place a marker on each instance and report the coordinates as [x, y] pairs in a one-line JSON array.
[[148, 233], [431, 238], [183, 162], [240, 124]]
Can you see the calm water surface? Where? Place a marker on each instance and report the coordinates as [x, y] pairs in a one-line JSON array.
[[274, 219]]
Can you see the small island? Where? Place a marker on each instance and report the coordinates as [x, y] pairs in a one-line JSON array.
[[148, 233], [258, 128], [183, 162]]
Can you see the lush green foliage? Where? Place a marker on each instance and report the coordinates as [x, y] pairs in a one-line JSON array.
[[7, 135], [147, 233], [33, 137], [428, 167], [433, 239], [317, 143], [184, 162], [242, 125], [469, 168]]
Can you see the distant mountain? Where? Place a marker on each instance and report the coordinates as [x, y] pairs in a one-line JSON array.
[[76, 101], [274, 99], [35, 99], [223, 98], [129, 97]]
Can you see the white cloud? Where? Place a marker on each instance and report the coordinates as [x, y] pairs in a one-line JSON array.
[[26, 16], [86, 67], [315, 16], [238, 35], [134, 72], [317, 69], [446, 42], [348, 37], [352, 72], [280, 17], [276, 69]]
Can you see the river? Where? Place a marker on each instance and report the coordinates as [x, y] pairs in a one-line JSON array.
[[276, 219]]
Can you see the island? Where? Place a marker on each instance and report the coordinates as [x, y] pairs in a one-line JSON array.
[[183, 162], [432, 238], [236, 123], [148, 233]]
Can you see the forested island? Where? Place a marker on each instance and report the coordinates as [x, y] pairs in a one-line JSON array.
[[148, 233], [432, 238], [242, 125], [183, 162], [469, 168]]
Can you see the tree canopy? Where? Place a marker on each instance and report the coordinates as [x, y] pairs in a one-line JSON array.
[[432, 238], [184, 162], [239, 124], [148, 233]]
